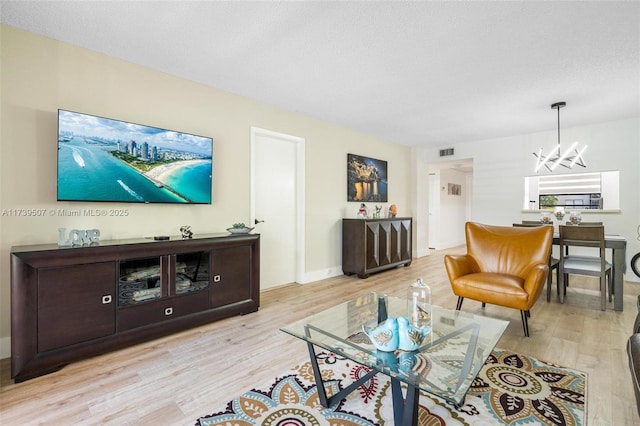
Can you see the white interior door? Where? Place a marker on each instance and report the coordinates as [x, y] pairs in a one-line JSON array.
[[276, 187]]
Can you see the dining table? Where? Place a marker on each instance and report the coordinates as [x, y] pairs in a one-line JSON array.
[[618, 246]]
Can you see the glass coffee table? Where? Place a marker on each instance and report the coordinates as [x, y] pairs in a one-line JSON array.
[[445, 365]]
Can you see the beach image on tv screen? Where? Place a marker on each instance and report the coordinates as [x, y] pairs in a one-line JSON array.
[[101, 159]]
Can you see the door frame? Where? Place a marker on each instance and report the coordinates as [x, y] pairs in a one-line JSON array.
[[300, 165]]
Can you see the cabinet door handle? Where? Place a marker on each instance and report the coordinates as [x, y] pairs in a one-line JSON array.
[[216, 278], [106, 299], [168, 311]]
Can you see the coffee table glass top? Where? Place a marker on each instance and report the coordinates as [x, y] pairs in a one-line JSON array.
[[445, 365]]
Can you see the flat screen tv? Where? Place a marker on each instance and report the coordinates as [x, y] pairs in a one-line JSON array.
[[102, 159]]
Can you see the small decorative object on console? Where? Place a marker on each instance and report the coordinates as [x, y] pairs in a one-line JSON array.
[[186, 232], [78, 237], [376, 212], [393, 210], [239, 228], [559, 213], [363, 212]]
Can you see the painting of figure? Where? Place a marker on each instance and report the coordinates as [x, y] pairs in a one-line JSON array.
[[366, 179]]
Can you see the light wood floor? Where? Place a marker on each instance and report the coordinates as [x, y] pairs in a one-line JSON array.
[[175, 380]]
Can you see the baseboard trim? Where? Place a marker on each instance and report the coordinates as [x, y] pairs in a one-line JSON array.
[[322, 274]]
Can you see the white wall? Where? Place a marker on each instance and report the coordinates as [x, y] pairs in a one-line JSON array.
[[40, 75]]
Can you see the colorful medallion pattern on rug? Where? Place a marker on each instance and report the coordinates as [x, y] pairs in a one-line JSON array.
[[522, 389], [510, 389]]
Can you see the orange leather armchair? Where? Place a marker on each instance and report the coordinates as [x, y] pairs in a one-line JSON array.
[[504, 265]]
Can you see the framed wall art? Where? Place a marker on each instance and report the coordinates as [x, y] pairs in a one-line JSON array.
[[454, 189], [366, 179]]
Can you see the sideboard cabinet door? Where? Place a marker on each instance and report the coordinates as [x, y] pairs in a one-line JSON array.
[[231, 275], [75, 304]]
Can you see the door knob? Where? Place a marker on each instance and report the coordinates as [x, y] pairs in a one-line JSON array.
[[256, 221]]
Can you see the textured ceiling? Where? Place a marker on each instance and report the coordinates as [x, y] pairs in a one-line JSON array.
[[417, 73]]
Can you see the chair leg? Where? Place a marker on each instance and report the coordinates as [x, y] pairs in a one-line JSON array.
[[610, 286], [525, 322], [459, 305], [483, 305], [549, 280], [603, 292]]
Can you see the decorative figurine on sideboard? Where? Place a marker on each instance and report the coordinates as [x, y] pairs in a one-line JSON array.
[[376, 212], [393, 210], [363, 212], [186, 232]]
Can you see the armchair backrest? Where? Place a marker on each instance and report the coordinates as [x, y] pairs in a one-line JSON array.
[[507, 249]]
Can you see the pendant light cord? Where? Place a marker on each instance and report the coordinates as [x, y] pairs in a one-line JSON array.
[[558, 125]]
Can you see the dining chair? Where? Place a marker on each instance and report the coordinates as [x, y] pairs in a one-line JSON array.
[[554, 263], [598, 266], [566, 250]]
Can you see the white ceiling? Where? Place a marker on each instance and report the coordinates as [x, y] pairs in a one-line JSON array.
[[417, 73]]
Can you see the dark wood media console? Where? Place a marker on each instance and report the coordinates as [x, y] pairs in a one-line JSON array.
[[70, 303]]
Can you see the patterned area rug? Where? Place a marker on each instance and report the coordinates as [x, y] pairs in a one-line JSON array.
[[510, 389]]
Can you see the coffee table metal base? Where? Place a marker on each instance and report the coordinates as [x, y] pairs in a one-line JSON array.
[[405, 409]]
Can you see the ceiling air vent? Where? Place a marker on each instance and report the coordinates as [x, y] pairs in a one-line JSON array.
[[446, 152]]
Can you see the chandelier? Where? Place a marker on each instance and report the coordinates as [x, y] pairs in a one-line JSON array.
[[571, 157]]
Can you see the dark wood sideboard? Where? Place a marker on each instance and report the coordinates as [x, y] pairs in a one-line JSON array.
[[374, 245], [70, 303]]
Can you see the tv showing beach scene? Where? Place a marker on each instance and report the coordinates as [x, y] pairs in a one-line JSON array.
[[102, 159]]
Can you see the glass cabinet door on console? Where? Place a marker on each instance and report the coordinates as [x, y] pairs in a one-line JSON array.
[[191, 272], [140, 281], [147, 279]]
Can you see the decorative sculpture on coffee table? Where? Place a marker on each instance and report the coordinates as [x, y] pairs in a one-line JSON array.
[[396, 334]]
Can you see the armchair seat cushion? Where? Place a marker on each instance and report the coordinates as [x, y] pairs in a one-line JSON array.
[[494, 288]]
